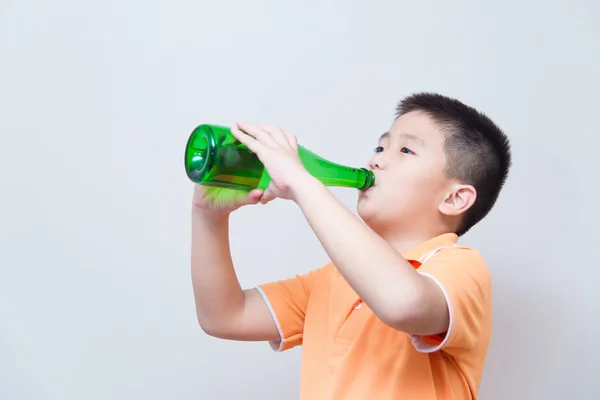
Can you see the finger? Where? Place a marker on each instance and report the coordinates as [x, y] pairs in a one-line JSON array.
[[276, 133], [267, 196], [254, 145], [292, 140], [254, 196], [257, 133]]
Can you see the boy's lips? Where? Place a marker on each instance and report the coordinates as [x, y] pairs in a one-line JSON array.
[[369, 189]]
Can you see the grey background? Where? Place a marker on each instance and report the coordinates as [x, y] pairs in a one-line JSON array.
[[97, 100]]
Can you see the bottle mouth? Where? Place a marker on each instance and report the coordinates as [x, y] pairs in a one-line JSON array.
[[369, 179], [199, 153]]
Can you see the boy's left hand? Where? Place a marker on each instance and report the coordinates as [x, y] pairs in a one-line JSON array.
[[277, 149]]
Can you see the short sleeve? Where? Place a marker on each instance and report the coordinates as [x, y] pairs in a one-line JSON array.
[[287, 301], [462, 275]]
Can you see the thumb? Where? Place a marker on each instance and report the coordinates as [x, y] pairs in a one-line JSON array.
[[253, 197], [268, 195]]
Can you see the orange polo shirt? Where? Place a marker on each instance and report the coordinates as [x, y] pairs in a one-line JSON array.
[[348, 353]]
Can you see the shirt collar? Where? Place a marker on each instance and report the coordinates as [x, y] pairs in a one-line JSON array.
[[445, 239]]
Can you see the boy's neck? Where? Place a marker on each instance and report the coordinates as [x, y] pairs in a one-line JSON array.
[[409, 240], [404, 244]]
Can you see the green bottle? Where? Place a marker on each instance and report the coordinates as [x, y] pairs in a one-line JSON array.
[[214, 157]]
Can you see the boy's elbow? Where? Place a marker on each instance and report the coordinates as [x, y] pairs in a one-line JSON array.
[[422, 312], [401, 313], [220, 328], [205, 324], [211, 327]]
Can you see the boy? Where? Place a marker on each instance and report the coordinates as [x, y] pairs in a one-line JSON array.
[[401, 311]]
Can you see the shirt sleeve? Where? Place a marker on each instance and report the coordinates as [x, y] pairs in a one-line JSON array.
[[287, 300], [462, 275]]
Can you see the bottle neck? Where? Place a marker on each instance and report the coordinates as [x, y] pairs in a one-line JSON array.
[[332, 174]]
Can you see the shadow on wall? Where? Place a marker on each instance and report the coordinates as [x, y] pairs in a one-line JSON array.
[[527, 249]]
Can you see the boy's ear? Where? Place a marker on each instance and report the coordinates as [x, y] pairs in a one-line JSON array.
[[458, 200]]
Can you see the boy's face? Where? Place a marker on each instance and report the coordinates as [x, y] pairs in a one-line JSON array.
[[410, 185]]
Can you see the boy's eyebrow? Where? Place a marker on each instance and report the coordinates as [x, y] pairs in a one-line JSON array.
[[405, 135]]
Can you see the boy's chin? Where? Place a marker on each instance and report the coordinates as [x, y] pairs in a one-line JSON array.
[[372, 218], [365, 210]]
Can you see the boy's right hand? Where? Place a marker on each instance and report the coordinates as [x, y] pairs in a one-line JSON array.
[[221, 201]]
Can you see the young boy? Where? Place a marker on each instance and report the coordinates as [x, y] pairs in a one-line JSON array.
[[401, 311]]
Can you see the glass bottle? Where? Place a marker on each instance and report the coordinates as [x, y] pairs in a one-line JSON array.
[[214, 157]]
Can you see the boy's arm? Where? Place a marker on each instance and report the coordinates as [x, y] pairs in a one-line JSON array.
[[466, 282], [389, 284], [397, 294], [223, 309]]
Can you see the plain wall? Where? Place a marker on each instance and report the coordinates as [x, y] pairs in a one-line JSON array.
[[97, 100]]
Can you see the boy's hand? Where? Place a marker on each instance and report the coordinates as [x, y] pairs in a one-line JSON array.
[[216, 201], [278, 151]]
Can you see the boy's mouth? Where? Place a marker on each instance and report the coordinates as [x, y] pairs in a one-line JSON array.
[[368, 190]]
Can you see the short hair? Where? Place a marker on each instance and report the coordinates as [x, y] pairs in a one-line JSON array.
[[478, 152]]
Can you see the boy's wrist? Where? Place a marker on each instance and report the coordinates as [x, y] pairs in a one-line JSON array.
[[211, 216], [305, 187]]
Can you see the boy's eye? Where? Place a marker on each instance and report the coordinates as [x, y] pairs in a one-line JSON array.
[[406, 150], [378, 149]]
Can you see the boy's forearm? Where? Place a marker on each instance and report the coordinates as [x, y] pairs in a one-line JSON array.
[[376, 271], [217, 292]]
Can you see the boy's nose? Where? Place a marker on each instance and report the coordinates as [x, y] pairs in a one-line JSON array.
[[376, 163]]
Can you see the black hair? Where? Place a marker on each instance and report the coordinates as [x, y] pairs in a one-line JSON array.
[[477, 150]]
